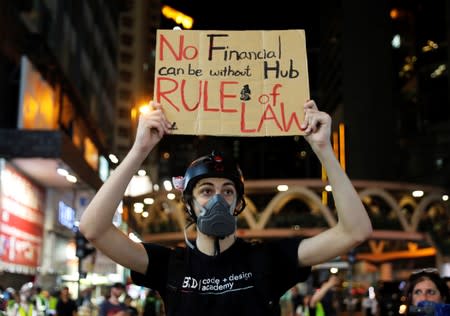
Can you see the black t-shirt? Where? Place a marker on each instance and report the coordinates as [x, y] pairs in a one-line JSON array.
[[246, 279], [109, 309], [66, 308]]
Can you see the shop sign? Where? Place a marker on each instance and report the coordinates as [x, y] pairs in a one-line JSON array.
[[21, 222]]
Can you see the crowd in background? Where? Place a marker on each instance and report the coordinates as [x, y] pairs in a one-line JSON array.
[[32, 300], [327, 298], [334, 297]]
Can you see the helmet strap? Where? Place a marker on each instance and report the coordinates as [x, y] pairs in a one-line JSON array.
[[185, 235], [190, 210], [216, 246]]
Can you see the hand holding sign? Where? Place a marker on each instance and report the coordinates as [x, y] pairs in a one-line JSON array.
[[316, 126], [232, 83], [152, 126]]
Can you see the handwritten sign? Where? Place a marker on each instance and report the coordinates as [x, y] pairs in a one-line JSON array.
[[232, 83]]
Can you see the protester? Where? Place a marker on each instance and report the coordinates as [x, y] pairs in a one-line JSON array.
[[220, 274]]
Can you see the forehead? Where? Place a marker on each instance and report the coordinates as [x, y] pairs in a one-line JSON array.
[[215, 182], [426, 283]]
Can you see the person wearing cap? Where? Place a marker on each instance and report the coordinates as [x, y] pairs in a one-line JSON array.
[[218, 273]]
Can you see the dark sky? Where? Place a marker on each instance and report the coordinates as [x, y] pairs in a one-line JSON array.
[[250, 15]]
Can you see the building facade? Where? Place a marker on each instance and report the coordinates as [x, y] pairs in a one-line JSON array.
[[58, 68]]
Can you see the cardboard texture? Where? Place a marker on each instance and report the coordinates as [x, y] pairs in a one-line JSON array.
[[232, 83]]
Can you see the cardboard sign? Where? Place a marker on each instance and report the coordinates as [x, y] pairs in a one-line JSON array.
[[232, 83]]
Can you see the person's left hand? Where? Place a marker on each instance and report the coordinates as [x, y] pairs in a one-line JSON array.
[[316, 126]]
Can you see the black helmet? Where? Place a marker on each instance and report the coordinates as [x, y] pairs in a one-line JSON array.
[[216, 166]]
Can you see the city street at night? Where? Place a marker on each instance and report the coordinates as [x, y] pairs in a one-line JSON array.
[[167, 157]]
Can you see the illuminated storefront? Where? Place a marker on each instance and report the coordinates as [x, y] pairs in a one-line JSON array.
[[51, 168], [21, 222]]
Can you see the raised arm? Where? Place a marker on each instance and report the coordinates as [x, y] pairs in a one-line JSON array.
[[96, 222], [353, 225], [323, 290]]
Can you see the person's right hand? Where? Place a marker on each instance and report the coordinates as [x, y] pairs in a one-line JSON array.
[[153, 125], [333, 280]]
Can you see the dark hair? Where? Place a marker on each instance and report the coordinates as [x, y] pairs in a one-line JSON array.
[[426, 274], [118, 285]]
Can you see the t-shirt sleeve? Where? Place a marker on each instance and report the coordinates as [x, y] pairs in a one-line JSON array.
[[158, 264], [286, 267]]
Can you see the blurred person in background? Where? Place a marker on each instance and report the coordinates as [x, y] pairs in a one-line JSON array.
[[112, 304], [23, 304], [4, 295], [84, 302], [320, 301], [131, 309], [296, 299], [66, 306], [153, 305], [426, 285], [53, 301], [447, 281], [369, 303], [41, 300], [325, 295], [12, 297]]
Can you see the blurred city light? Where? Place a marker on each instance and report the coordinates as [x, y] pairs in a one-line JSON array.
[[417, 193], [149, 201], [180, 18], [142, 172], [113, 158], [71, 178], [396, 41], [62, 172], [167, 185], [138, 207], [134, 237], [334, 270]]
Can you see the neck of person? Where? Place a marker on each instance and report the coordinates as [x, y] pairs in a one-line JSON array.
[[114, 300], [206, 244]]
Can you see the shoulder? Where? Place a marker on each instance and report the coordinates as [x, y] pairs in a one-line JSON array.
[[152, 247], [157, 253]]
